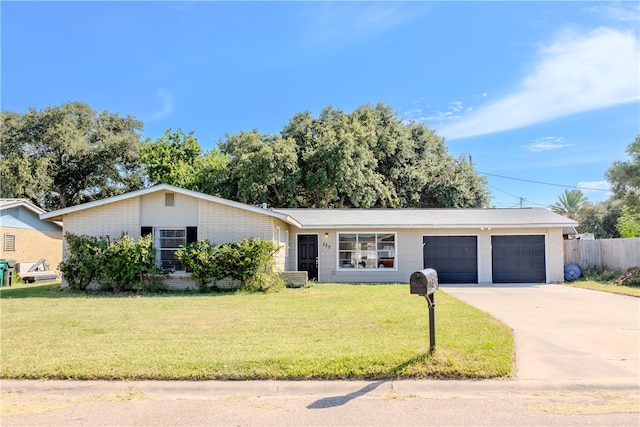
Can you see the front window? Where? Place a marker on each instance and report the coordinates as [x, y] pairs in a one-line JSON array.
[[168, 241], [366, 250]]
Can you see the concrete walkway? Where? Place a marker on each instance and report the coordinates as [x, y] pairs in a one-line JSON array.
[[564, 333]]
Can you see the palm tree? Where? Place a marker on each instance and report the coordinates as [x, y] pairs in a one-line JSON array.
[[570, 204]]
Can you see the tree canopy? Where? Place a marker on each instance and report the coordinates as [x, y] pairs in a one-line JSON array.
[[371, 158], [618, 216], [66, 155], [624, 177], [172, 159]]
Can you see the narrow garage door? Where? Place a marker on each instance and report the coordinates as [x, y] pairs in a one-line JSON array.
[[518, 259], [455, 258]]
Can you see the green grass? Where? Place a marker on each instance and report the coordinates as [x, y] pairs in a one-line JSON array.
[[329, 331], [611, 287], [606, 281]]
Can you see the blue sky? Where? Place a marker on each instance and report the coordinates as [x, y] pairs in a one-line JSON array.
[[533, 92]]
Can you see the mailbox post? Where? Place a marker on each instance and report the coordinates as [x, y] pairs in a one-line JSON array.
[[425, 283]]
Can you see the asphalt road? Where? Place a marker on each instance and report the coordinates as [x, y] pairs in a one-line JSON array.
[[576, 359], [341, 403]]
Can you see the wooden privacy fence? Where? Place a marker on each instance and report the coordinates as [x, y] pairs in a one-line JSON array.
[[603, 254]]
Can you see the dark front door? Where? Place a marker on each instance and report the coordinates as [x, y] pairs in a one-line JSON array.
[[518, 259], [308, 255], [455, 258]]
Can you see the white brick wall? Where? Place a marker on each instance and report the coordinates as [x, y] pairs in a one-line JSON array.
[[108, 220], [221, 224]]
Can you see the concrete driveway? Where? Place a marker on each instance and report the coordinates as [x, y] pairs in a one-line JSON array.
[[564, 333]]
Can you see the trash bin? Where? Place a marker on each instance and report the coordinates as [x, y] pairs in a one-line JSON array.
[[3, 267], [8, 267]]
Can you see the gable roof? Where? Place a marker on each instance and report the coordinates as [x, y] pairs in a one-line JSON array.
[[58, 214], [427, 218], [14, 203], [6, 204], [362, 218]]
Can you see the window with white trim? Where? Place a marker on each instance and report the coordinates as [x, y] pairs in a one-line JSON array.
[[167, 242], [277, 239], [366, 250], [286, 243]]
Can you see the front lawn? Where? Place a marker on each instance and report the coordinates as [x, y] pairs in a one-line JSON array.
[[612, 287], [329, 331]]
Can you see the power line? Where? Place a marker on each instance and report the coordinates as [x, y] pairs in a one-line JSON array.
[[544, 183], [520, 198]]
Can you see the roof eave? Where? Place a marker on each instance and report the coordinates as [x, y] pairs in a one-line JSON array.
[[414, 226], [59, 214]]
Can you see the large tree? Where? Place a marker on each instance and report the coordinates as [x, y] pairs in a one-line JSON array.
[[372, 158], [261, 168], [624, 177], [173, 158], [601, 219], [68, 154]]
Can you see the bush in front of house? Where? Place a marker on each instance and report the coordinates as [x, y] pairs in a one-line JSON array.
[[114, 265], [251, 262], [199, 259]]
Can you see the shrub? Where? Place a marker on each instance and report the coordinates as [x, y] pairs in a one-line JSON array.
[[85, 264], [151, 284], [630, 278], [127, 261], [604, 276], [119, 265], [199, 259], [249, 261]]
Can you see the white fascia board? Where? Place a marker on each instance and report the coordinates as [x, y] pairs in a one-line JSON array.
[[433, 226], [58, 214]]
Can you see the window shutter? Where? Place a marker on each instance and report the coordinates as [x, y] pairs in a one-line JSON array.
[[144, 231], [192, 234]]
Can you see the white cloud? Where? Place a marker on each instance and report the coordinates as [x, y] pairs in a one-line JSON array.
[[166, 106], [337, 22], [576, 73], [597, 185], [546, 144], [629, 12], [596, 191], [456, 106], [413, 112]]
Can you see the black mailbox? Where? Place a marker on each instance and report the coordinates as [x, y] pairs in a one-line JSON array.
[[424, 282]]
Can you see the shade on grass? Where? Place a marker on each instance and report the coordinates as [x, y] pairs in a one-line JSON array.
[[329, 331]]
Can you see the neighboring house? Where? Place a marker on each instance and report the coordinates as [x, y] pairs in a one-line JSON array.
[[342, 245], [25, 237]]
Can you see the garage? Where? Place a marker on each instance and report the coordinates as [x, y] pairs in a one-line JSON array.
[[455, 258], [518, 259]]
